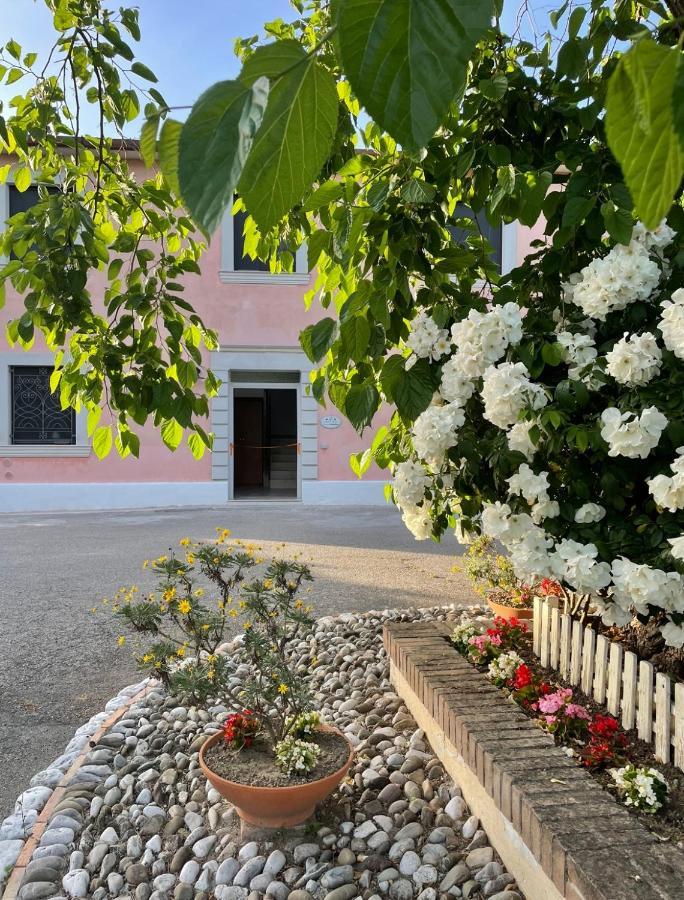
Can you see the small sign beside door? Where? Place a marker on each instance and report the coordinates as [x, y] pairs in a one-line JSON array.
[[331, 421]]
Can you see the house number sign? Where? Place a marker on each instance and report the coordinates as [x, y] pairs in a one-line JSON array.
[[331, 421]]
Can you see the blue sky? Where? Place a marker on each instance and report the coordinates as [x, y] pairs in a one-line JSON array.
[[187, 43]]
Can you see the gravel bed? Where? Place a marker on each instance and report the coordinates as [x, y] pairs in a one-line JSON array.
[[139, 819]]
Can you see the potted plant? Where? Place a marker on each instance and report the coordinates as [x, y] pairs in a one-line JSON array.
[[492, 576], [273, 758]]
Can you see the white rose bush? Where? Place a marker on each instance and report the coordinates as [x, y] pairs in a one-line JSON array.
[[556, 428]]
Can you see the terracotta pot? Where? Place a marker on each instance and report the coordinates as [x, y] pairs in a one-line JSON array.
[[274, 807], [509, 612]]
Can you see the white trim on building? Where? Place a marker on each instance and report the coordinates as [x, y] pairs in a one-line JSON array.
[[45, 497], [344, 493], [22, 358], [228, 274]]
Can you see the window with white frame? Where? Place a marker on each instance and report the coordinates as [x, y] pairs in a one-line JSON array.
[[237, 267], [492, 233]]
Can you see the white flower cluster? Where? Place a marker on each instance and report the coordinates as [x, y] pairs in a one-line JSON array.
[[668, 492], [528, 544], [410, 482], [519, 439], [657, 239], [640, 586], [673, 634], [641, 787], [589, 512], [481, 339], [504, 667], [462, 634], [635, 359], [535, 489], [507, 391], [427, 339], [295, 757], [435, 431], [671, 324], [579, 351], [630, 435], [455, 387], [611, 282]]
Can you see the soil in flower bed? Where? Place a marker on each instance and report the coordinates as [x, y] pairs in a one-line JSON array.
[[256, 765], [668, 822]]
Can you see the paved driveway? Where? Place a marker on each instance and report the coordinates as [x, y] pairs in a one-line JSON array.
[[60, 663]]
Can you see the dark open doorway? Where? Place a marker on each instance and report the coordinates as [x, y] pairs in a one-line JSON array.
[[265, 443]]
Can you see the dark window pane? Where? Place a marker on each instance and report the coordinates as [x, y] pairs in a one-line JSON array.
[[22, 202], [37, 417], [490, 232], [242, 262]]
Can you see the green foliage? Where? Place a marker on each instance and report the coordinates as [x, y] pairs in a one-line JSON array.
[[640, 112], [407, 60], [492, 575]]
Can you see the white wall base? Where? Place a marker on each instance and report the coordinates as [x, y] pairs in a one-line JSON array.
[[44, 497], [344, 493], [126, 495]]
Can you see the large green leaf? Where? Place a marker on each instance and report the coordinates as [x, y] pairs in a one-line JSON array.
[[167, 150], [296, 134], [414, 389], [407, 59], [317, 339], [361, 404], [640, 127], [214, 144]]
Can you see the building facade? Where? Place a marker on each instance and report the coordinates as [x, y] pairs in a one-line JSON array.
[[272, 440]]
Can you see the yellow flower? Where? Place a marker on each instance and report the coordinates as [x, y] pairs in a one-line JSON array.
[[169, 594], [314, 660], [233, 613], [180, 652], [161, 559], [205, 628], [243, 604], [148, 657], [146, 563], [93, 609], [121, 640], [247, 626], [184, 607], [190, 558], [283, 688], [215, 560], [298, 604], [199, 592], [185, 542], [268, 584]]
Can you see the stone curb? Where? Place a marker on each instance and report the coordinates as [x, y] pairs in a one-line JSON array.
[[555, 828], [33, 839]]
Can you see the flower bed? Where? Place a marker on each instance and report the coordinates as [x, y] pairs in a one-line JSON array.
[[623, 764]]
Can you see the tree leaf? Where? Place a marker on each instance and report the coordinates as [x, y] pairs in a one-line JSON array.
[[214, 144], [141, 69], [148, 140], [167, 150], [414, 389], [407, 60], [355, 333], [640, 127], [172, 433], [618, 222], [324, 195], [296, 134], [196, 445], [678, 103], [418, 191], [102, 441], [317, 339], [22, 179], [361, 404]]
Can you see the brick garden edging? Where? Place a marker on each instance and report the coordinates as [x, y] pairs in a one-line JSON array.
[[558, 832], [59, 792]]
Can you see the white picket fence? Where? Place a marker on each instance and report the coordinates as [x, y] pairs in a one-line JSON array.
[[631, 690]]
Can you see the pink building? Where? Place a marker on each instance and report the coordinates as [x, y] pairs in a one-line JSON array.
[[272, 441]]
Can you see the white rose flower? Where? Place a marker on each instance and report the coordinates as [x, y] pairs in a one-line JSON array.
[[531, 556], [580, 568], [481, 339], [677, 545], [673, 634], [545, 509], [630, 435], [418, 521], [640, 586], [507, 391], [671, 324], [518, 438], [635, 359], [590, 512], [660, 238], [427, 339], [455, 387], [579, 351], [668, 492], [528, 485]]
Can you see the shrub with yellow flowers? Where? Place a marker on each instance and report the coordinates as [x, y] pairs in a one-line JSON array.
[[187, 623]]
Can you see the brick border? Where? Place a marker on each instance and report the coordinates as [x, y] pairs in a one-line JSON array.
[[14, 881], [559, 833]]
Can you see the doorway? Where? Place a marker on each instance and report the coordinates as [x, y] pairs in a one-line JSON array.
[[265, 443]]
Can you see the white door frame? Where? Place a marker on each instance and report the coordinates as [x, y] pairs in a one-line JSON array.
[[262, 386]]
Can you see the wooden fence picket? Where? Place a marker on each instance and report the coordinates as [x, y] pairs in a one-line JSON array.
[[631, 689], [645, 709]]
